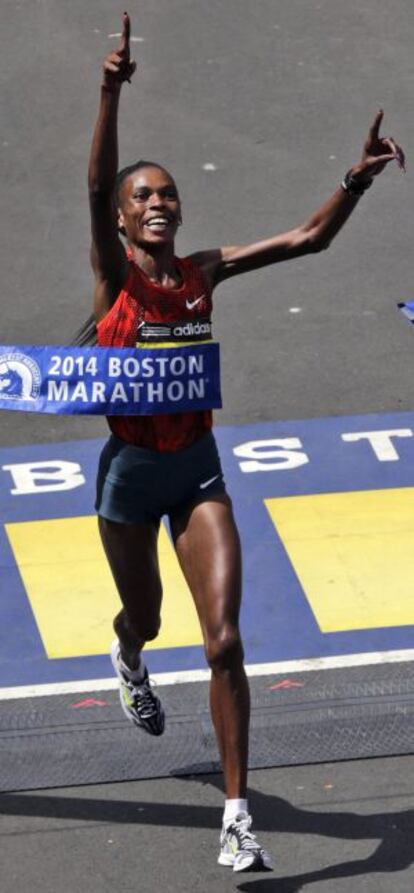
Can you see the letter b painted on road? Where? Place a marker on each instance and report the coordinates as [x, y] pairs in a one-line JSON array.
[[44, 477]]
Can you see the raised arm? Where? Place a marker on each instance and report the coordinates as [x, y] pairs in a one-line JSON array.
[[107, 252], [316, 233]]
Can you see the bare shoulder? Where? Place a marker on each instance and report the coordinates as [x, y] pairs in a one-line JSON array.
[[219, 264], [209, 262]]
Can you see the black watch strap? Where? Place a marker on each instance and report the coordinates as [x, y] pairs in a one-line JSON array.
[[353, 186]]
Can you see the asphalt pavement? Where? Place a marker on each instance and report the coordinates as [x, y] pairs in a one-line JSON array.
[[336, 827]]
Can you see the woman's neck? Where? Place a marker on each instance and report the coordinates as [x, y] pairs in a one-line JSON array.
[[159, 265]]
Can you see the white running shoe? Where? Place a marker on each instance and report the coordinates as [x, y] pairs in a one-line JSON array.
[[239, 848], [138, 701]]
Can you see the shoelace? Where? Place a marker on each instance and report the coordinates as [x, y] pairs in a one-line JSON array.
[[247, 839], [146, 698]]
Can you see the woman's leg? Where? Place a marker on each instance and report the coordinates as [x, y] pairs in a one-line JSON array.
[[208, 547], [131, 550]]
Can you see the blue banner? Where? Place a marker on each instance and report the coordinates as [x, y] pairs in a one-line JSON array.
[[110, 380]]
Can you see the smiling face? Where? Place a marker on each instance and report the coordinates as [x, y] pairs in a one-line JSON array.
[[149, 207]]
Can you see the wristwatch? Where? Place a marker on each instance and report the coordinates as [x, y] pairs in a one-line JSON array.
[[353, 186]]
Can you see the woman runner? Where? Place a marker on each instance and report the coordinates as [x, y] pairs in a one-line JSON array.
[[168, 464]]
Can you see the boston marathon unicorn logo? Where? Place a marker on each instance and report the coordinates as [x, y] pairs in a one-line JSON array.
[[19, 377]]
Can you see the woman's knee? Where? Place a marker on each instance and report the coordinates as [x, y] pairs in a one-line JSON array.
[[224, 650], [149, 628], [139, 623]]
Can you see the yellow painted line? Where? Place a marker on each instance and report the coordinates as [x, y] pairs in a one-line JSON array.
[[353, 555], [72, 593]]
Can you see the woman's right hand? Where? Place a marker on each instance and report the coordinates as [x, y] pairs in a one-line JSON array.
[[118, 67]]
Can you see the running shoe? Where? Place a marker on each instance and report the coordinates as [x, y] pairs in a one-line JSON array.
[[138, 701], [239, 848]]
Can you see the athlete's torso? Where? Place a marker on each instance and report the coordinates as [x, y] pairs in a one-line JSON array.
[[137, 318]]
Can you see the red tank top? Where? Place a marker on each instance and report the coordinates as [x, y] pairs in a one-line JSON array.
[[141, 301]]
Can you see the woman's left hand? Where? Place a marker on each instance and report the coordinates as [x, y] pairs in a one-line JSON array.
[[378, 152]]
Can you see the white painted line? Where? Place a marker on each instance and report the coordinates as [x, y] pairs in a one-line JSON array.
[[175, 678], [335, 662], [133, 39]]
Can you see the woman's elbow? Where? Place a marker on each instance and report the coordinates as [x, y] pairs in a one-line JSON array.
[[311, 242], [317, 242]]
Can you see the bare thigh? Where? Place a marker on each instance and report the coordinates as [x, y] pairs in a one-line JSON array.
[[208, 547]]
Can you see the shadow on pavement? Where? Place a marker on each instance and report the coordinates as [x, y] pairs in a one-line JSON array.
[[395, 830], [394, 853]]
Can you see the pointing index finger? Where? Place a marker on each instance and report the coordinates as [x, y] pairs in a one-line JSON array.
[[374, 130], [126, 30]]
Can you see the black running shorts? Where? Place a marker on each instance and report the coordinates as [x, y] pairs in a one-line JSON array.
[[137, 485]]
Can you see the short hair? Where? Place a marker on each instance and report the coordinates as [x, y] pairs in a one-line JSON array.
[[130, 169]]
